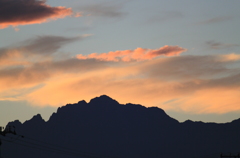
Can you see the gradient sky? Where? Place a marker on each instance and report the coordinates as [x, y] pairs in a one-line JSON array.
[[182, 56]]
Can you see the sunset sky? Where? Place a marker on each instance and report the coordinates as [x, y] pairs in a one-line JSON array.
[[181, 56]]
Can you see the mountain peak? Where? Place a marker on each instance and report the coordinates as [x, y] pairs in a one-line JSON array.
[[35, 119], [104, 100]]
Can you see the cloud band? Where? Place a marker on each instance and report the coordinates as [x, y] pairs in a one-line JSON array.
[[138, 54]]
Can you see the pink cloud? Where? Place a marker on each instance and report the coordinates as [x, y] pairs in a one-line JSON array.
[[138, 54]]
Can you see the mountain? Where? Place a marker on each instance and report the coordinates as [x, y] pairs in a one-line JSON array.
[[105, 128]]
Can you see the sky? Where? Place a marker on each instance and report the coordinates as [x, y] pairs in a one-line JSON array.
[[181, 56]]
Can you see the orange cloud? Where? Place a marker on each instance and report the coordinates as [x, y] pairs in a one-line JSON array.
[[148, 92], [229, 57], [25, 12], [133, 83], [138, 54], [208, 100], [190, 83]]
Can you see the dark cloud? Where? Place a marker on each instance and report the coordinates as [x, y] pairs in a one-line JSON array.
[[48, 44], [109, 10], [231, 81], [190, 67], [23, 12], [168, 51], [219, 45], [41, 46], [41, 71], [227, 82]]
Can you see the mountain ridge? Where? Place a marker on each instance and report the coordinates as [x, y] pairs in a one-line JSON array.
[[83, 102], [105, 127]]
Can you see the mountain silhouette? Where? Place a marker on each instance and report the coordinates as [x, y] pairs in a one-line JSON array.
[[105, 128]]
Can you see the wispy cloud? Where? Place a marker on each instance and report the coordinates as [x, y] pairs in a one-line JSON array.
[[138, 54], [165, 16], [107, 9], [48, 44], [36, 49], [25, 12], [39, 72], [219, 45], [186, 68], [214, 20]]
